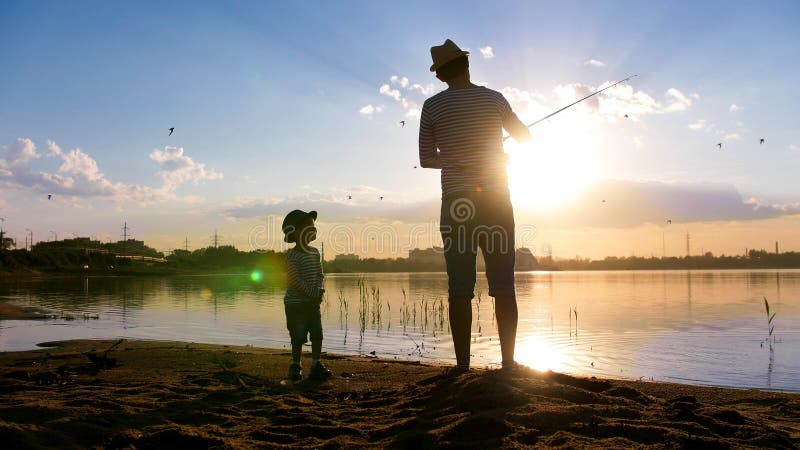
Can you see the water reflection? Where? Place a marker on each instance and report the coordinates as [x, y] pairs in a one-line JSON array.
[[687, 326], [538, 353]]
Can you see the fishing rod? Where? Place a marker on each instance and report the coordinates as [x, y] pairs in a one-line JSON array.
[[575, 103]]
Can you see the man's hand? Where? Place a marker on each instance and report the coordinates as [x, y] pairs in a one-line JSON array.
[[524, 137]]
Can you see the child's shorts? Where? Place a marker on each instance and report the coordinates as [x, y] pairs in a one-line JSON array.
[[303, 319]]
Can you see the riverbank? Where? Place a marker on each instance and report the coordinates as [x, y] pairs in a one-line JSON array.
[[12, 311], [175, 394]]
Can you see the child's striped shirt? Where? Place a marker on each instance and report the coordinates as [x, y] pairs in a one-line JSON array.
[[303, 275]]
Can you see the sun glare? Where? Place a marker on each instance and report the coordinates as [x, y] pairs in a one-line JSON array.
[[552, 169], [537, 353]]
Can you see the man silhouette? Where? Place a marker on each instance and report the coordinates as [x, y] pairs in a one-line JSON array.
[[461, 133]]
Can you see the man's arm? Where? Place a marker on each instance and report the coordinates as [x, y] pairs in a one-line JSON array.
[[513, 125], [428, 154]]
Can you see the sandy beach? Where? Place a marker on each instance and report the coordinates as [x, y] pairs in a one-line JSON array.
[[174, 394]]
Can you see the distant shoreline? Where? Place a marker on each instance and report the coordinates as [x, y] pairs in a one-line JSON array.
[[8, 276]]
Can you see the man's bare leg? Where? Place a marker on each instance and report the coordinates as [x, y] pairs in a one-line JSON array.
[[460, 312], [507, 317]]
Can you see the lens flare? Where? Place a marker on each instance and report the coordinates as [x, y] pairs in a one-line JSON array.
[[256, 276]]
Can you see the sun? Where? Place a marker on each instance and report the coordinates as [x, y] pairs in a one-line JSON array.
[[552, 169]]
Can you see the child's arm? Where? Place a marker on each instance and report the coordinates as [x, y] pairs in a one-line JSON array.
[[294, 279]]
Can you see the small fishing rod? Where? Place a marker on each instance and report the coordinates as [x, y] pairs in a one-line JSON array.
[[575, 103]]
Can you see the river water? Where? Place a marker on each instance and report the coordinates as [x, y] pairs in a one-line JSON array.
[[696, 327]]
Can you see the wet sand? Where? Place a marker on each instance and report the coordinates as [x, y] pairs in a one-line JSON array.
[[175, 394]]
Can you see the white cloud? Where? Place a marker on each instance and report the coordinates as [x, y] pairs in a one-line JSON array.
[[734, 108], [571, 92], [411, 107], [414, 113], [405, 83], [517, 96], [385, 89], [715, 130], [527, 104], [79, 177], [55, 150], [424, 90], [369, 110], [634, 203], [695, 95], [334, 206], [624, 99], [594, 62], [793, 148], [487, 52], [698, 125], [732, 137], [615, 102], [20, 152], [401, 81], [680, 101], [177, 168], [76, 162], [638, 202], [638, 141], [611, 104]]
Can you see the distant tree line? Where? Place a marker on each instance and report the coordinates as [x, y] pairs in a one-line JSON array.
[[228, 259], [755, 259], [59, 261]]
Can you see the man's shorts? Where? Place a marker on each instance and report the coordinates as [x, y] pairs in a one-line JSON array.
[[473, 220], [302, 320]]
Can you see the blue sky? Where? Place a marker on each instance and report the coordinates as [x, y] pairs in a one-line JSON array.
[[265, 99]]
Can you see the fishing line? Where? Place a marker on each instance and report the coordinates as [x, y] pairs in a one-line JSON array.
[[575, 103]]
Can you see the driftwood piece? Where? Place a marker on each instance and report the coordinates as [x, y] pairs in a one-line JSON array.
[[103, 361]]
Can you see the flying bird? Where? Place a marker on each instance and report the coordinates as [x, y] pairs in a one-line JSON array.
[[349, 197], [626, 116], [719, 144], [380, 198], [49, 196], [415, 167], [669, 221], [761, 141], [171, 130], [604, 200], [402, 123]]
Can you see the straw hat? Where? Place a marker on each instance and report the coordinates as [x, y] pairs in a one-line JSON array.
[[292, 222], [443, 54]]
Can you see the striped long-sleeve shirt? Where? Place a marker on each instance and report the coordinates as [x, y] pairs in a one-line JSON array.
[[303, 275], [466, 125]]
